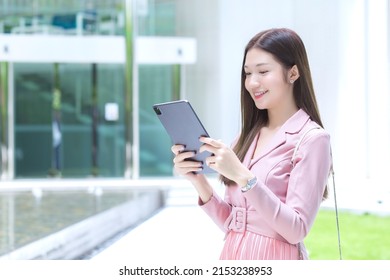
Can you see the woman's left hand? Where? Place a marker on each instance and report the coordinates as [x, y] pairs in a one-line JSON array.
[[225, 161]]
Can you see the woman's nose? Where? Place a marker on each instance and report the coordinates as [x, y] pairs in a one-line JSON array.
[[253, 81]]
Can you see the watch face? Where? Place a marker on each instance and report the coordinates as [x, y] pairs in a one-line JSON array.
[[252, 181], [250, 184]]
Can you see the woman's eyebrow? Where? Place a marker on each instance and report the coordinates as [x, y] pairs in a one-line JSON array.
[[257, 65]]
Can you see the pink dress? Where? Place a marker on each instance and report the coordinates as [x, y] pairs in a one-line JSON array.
[[270, 221], [252, 246]]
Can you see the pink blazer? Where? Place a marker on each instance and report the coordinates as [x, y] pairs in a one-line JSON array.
[[285, 201]]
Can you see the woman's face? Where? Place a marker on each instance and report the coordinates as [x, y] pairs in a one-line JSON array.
[[266, 80]]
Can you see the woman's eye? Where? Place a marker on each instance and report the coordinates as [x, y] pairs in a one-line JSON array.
[[263, 72], [247, 74]]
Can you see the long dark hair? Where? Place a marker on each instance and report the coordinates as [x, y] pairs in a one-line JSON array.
[[287, 48]]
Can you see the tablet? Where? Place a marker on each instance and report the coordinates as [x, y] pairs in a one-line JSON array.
[[184, 127]]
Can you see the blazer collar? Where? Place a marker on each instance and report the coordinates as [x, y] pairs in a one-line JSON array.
[[296, 122], [292, 126]]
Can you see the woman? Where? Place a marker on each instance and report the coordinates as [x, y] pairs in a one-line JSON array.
[[271, 198]]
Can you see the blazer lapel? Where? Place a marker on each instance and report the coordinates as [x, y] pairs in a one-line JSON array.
[[292, 125], [278, 139], [251, 151]]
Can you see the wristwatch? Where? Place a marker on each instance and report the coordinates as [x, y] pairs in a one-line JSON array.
[[249, 185]]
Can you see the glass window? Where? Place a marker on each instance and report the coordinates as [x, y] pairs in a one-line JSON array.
[[156, 86], [61, 126], [157, 83], [69, 118], [33, 114]]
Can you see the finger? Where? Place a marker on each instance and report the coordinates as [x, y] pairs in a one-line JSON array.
[[186, 171], [211, 160], [188, 164], [176, 149], [208, 148], [183, 156], [188, 167], [211, 142]]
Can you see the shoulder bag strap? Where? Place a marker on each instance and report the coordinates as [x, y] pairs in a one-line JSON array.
[[336, 208]]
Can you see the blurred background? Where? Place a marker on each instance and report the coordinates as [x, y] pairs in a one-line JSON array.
[[78, 79]]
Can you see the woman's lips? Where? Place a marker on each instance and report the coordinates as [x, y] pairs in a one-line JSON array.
[[260, 94]]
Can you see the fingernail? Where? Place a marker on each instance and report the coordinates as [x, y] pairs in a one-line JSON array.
[[182, 148]]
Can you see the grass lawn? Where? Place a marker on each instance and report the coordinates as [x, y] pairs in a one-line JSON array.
[[363, 237]]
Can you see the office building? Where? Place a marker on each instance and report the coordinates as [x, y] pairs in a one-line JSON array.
[[79, 118]]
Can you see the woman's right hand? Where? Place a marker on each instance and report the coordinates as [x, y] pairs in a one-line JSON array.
[[182, 165], [187, 168]]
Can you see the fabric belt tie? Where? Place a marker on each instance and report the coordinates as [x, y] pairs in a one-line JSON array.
[[237, 220]]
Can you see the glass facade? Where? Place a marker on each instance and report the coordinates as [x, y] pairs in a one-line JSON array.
[[3, 115], [60, 122], [69, 118], [155, 144], [157, 83]]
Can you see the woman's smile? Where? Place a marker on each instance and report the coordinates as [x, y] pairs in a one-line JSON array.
[[259, 94]]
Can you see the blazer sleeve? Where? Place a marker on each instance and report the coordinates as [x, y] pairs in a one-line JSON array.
[[217, 209], [308, 179]]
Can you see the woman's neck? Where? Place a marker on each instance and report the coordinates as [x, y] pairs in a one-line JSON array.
[[277, 117]]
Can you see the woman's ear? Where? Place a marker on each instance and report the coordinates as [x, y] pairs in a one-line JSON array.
[[293, 74]]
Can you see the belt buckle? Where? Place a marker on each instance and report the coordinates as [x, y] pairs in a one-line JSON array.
[[238, 222]]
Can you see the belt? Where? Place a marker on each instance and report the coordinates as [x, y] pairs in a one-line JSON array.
[[240, 220], [237, 219]]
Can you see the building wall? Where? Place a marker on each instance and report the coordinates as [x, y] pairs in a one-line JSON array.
[[200, 19], [348, 47]]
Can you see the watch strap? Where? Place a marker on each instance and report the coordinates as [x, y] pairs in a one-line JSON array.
[[249, 185]]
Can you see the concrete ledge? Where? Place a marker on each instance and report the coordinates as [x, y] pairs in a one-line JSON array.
[[78, 239]]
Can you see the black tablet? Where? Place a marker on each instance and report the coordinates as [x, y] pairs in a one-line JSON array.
[[184, 127]]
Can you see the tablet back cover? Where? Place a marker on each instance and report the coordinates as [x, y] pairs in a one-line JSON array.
[[184, 127]]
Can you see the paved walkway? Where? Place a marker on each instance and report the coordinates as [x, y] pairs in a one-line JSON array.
[[174, 234], [180, 231]]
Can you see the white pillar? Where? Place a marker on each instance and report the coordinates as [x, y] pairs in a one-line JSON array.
[[378, 95], [350, 152]]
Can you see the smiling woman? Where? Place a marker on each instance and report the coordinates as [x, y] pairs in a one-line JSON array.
[[271, 199]]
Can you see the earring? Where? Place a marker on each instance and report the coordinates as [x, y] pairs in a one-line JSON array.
[[291, 81]]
